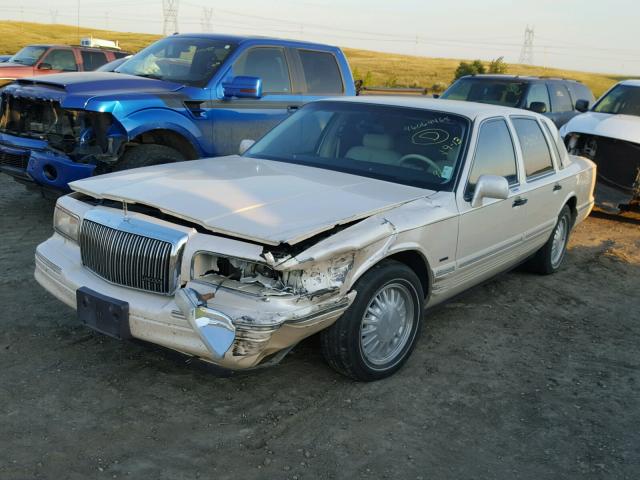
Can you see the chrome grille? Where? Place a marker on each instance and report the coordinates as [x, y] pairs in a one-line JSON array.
[[127, 258]]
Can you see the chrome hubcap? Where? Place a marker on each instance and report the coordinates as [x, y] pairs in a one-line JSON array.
[[559, 240], [387, 323]]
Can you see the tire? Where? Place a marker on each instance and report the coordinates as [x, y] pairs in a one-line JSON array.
[[548, 259], [147, 155], [343, 343]]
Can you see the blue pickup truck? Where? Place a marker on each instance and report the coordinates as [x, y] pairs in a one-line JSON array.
[[183, 97]]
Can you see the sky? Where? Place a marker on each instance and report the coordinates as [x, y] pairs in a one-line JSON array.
[[571, 34]]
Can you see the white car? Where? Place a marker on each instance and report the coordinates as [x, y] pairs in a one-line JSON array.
[[348, 219], [609, 135]]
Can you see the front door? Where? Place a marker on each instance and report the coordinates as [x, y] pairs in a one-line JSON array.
[[236, 119], [490, 234]]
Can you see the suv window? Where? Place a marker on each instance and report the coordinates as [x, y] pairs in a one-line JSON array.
[[487, 90], [92, 60], [321, 72], [560, 99], [538, 93], [494, 154], [61, 60], [268, 63], [581, 92], [535, 150]]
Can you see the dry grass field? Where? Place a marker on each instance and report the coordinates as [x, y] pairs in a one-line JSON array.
[[402, 70]]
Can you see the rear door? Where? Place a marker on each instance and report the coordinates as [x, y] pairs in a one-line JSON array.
[[562, 108], [236, 119], [540, 188]]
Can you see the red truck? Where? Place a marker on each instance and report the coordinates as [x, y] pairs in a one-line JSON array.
[[44, 59]]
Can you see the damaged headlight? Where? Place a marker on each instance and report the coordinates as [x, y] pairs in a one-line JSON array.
[[214, 268], [66, 223]]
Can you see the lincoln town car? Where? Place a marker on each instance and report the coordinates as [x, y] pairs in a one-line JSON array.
[[350, 219]]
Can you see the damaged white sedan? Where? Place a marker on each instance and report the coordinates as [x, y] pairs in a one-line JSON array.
[[349, 219]]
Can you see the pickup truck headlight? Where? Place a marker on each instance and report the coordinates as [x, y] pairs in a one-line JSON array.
[[66, 223]]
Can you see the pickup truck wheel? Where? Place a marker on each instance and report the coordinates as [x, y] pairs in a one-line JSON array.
[[549, 258], [146, 155], [378, 332]]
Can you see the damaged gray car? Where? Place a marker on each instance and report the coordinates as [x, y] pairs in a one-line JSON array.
[[349, 219]]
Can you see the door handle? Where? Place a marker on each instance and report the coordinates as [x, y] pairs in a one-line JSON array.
[[557, 187], [519, 201], [292, 108]]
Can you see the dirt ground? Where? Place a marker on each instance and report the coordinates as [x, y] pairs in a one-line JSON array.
[[525, 377]]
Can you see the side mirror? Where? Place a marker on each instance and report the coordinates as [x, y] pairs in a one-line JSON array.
[[45, 66], [582, 105], [538, 107], [245, 145], [436, 95], [490, 186], [243, 87]]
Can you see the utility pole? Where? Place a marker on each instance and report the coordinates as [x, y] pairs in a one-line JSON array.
[[526, 54], [170, 14], [106, 20], [54, 16], [205, 21]]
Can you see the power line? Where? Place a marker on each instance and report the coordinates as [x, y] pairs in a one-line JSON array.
[[170, 17], [526, 54], [207, 15]]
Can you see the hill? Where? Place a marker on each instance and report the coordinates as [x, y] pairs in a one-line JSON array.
[[381, 68]]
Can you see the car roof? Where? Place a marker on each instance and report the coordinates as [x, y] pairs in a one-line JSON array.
[[471, 110], [81, 47], [254, 39], [631, 83], [496, 76]]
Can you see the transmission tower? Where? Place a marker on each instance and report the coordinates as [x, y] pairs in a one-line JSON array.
[[54, 16], [205, 22], [170, 14], [526, 54]]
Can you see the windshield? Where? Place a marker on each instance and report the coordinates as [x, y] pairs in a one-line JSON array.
[[190, 61], [28, 55], [622, 99], [496, 92], [415, 147]]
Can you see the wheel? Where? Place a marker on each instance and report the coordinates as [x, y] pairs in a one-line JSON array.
[[376, 335], [548, 259], [146, 155]]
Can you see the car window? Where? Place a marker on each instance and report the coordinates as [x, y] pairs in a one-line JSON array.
[[92, 60], [621, 100], [321, 72], [560, 98], [581, 92], [496, 92], [61, 60], [538, 93], [409, 146], [185, 60], [535, 150], [28, 55], [494, 155], [267, 63]]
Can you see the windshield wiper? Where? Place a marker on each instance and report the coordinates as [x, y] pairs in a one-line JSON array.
[[148, 75]]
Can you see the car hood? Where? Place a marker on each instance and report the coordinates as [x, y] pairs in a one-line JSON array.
[[264, 201], [13, 70], [76, 90], [622, 127]]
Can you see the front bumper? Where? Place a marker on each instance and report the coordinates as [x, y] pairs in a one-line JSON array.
[[29, 160], [159, 319]]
